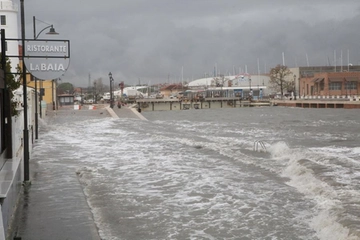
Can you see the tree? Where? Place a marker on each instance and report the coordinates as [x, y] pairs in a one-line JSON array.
[[65, 88], [99, 86], [11, 85], [98, 89], [279, 79]]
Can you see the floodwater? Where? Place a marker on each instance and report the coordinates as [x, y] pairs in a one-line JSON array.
[[245, 173]]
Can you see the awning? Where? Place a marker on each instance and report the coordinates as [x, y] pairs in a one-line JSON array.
[[336, 79], [352, 79], [319, 80]]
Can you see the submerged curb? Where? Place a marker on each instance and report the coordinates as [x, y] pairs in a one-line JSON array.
[[125, 112], [111, 112], [138, 114]]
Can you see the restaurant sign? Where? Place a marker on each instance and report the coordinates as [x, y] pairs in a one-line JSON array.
[[47, 59]]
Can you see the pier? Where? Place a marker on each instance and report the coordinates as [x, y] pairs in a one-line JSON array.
[[152, 104], [318, 103]]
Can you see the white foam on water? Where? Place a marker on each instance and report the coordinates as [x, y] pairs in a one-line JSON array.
[[328, 228], [328, 202], [189, 199], [356, 151], [86, 176], [199, 181], [303, 179], [279, 150]]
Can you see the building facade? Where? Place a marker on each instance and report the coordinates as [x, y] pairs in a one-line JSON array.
[[326, 81], [9, 22], [340, 84]]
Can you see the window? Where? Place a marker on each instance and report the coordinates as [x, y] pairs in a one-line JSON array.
[[3, 19], [335, 86], [351, 85]]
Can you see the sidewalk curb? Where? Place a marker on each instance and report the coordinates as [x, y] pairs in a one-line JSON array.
[[111, 112], [138, 114]]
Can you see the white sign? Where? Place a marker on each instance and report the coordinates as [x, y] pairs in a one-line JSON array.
[[47, 60]]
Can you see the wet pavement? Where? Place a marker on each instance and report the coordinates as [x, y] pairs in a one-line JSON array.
[[53, 205], [126, 112]]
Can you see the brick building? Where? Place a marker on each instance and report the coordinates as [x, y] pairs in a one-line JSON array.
[[327, 81], [342, 84]]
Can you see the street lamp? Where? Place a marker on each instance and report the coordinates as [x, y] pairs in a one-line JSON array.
[[52, 32], [294, 87], [50, 27], [26, 129], [94, 93], [111, 90], [346, 88], [250, 93]]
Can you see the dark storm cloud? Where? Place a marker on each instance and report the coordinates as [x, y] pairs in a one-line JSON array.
[[152, 40]]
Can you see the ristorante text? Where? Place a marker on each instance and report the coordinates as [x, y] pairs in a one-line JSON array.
[[46, 48]]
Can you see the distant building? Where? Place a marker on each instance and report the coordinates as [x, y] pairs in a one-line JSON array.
[[240, 80], [9, 22], [242, 85], [171, 90], [331, 84], [66, 99], [308, 81], [327, 81]]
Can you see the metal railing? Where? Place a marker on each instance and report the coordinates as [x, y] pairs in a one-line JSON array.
[[259, 146]]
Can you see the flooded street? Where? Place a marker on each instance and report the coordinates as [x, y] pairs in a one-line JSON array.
[[196, 174]]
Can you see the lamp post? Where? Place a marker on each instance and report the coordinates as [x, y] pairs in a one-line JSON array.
[[52, 32], [250, 93], [57, 102], [111, 90], [52, 95], [26, 130], [299, 88], [81, 97], [346, 88], [94, 93], [294, 87]]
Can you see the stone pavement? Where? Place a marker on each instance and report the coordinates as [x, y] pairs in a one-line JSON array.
[[51, 206]]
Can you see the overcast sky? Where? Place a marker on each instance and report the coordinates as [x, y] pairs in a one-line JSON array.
[[150, 41]]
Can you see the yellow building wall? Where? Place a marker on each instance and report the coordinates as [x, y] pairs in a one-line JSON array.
[[48, 88]]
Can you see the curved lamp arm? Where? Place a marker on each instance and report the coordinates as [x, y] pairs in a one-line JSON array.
[[51, 31]]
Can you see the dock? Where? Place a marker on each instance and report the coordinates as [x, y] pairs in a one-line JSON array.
[[152, 104], [318, 103]]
